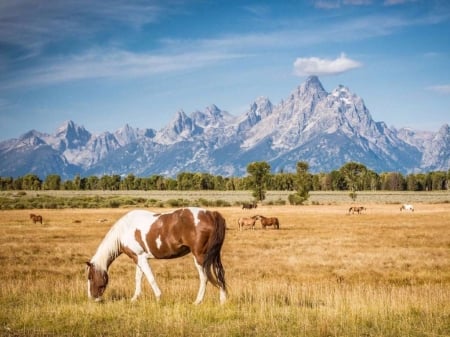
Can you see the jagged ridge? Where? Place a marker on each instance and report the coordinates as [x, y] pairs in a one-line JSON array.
[[324, 129]]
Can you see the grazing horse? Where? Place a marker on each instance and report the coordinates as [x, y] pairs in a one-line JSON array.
[[142, 235], [36, 218], [249, 205], [268, 221], [249, 222], [407, 207], [356, 209]]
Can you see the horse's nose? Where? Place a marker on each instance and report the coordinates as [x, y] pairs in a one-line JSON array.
[[98, 299]]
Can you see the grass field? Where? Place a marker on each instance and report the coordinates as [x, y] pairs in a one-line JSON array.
[[324, 273]]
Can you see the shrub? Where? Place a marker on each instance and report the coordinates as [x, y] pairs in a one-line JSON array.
[[203, 202], [114, 204], [296, 199], [222, 203]]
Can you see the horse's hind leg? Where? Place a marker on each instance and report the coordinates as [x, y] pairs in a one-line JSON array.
[[203, 281]]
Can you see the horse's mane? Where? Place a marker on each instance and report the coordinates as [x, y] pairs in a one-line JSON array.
[[109, 248]]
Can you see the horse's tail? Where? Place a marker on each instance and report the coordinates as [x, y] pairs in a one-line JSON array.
[[213, 263]]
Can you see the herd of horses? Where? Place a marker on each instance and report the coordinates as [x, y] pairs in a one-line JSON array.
[[143, 235]]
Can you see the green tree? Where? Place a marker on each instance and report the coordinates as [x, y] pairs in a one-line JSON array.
[[303, 184], [6, 183], [52, 182], [354, 174], [31, 182], [393, 181], [128, 183], [259, 172]]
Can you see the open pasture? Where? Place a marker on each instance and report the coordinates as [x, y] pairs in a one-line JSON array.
[[323, 273]]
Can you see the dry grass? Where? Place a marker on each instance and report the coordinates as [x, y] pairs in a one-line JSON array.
[[324, 273]]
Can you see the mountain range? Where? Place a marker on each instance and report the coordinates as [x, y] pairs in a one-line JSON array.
[[324, 129]]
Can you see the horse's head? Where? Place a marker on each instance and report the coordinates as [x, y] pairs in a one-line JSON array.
[[97, 281]]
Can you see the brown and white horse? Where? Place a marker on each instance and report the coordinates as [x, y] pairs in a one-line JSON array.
[[247, 222], [268, 221], [142, 235]]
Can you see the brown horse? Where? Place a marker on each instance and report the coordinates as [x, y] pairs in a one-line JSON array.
[[265, 222], [143, 235], [356, 209], [248, 205], [247, 222], [36, 218]]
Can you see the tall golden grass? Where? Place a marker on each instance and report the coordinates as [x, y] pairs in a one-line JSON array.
[[324, 273]]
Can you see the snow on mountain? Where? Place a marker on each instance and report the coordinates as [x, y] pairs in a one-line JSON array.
[[181, 128], [436, 155], [325, 129]]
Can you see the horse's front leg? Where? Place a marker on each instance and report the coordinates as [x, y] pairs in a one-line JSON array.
[[203, 281], [137, 291], [145, 268]]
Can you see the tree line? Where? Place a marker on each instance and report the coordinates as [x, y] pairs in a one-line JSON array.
[[351, 176]]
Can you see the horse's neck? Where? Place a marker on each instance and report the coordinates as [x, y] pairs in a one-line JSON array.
[[104, 258], [108, 250]]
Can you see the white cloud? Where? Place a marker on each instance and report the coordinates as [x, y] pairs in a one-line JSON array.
[[317, 66], [442, 89]]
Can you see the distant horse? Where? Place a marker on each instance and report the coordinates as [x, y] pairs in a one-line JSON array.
[[407, 207], [36, 218], [248, 205], [247, 222], [142, 235], [356, 209], [268, 221]]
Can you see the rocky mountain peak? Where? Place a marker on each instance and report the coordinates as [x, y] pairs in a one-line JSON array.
[[312, 87], [126, 135], [182, 127], [212, 116], [71, 136]]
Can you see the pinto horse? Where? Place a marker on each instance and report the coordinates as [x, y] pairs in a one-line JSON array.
[[36, 218], [143, 235], [249, 222], [407, 207], [268, 221]]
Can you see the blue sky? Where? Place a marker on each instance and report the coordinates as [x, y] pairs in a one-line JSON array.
[[103, 64]]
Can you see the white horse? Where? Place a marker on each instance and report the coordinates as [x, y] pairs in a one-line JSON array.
[[407, 207]]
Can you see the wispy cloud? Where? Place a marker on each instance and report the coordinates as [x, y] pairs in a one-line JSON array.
[[113, 64], [441, 89], [332, 4], [46, 23], [397, 2], [31, 25], [317, 66]]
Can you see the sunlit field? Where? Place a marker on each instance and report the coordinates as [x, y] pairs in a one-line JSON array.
[[324, 273]]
